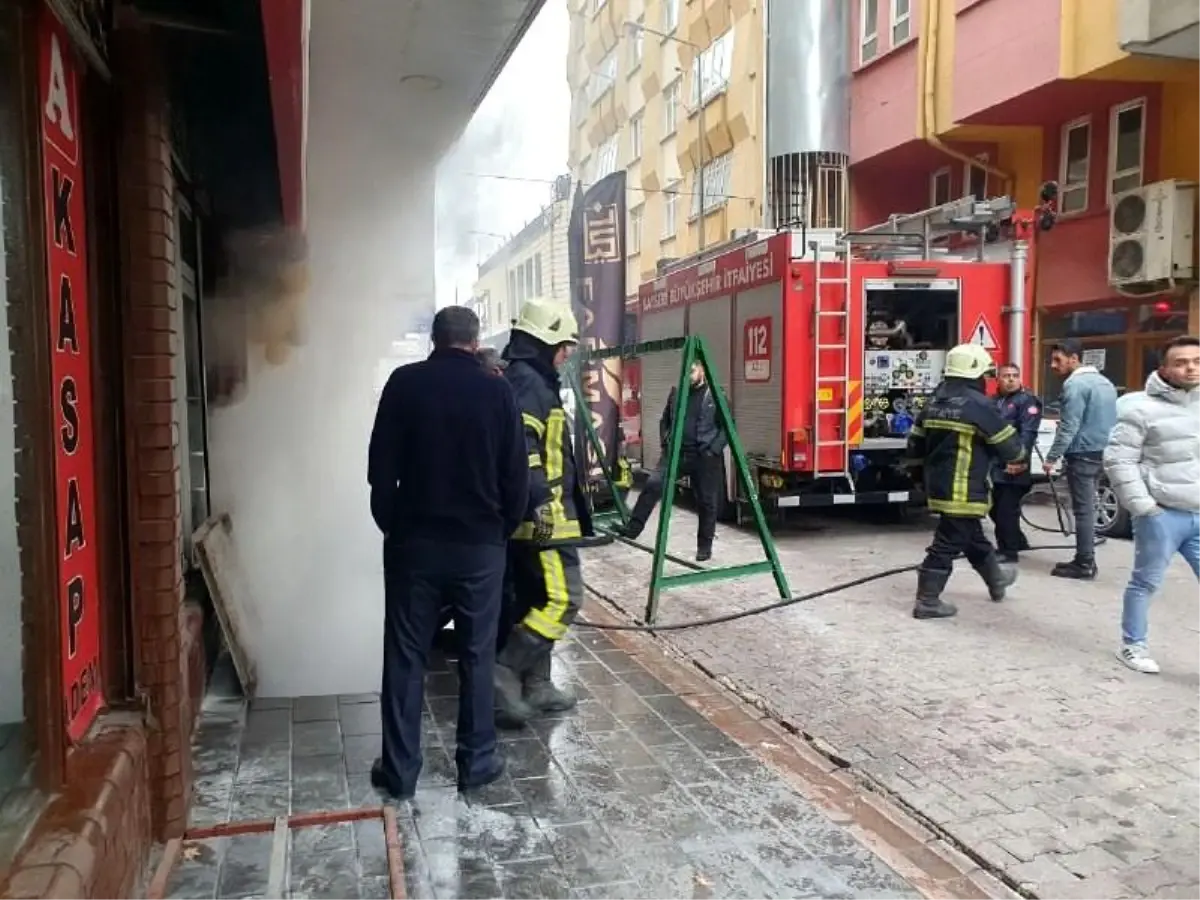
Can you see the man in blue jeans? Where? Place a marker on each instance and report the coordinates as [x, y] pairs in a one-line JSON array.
[[1153, 464], [1088, 411]]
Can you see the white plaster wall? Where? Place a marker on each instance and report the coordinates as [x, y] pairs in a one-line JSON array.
[[11, 694]]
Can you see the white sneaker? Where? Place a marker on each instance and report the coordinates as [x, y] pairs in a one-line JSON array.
[[1137, 657]]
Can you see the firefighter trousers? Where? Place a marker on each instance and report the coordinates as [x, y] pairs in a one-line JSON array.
[[547, 588]]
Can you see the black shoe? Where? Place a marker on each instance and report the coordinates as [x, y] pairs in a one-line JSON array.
[[1023, 543], [704, 554], [1080, 570], [930, 605], [493, 774], [1010, 558], [997, 575], [382, 781], [631, 529]]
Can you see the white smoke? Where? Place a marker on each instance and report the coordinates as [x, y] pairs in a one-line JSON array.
[[288, 452]]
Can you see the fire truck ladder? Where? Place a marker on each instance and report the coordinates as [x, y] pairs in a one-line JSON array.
[[831, 363]]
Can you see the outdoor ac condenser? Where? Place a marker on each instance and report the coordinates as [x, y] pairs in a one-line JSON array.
[[1152, 235]]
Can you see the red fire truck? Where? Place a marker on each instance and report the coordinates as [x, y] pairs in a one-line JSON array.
[[827, 348]]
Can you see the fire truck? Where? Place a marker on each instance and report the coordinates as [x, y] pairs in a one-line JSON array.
[[827, 345]]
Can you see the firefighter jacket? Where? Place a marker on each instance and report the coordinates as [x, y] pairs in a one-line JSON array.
[[954, 440], [1023, 411], [554, 478], [702, 433]]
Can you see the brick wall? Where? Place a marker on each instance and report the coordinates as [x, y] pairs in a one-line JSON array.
[[147, 213], [92, 840]]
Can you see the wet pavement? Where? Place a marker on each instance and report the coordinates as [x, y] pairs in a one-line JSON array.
[[634, 794], [1012, 729]]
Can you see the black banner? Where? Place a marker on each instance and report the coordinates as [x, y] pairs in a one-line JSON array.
[[596, 246]]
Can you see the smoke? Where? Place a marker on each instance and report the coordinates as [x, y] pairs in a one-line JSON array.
[[499, 175], [298, 345]]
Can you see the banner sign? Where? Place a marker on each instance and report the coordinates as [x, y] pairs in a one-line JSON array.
[[71, 373], [596, 249]]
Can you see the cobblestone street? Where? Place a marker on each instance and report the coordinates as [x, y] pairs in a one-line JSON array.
[[1012, 728], [635, 794]]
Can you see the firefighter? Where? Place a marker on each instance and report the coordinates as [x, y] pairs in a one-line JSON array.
[[955, 439], [1023, 411], [546, 580], [702, 461]]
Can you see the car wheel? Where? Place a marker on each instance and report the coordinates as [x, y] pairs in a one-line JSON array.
[[1112, 520]]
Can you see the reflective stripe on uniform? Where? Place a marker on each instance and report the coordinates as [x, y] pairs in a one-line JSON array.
[[533, 422], [1002, 435], [548, 620], [555, 428], [562, 531], [535, 460], [968, 508]]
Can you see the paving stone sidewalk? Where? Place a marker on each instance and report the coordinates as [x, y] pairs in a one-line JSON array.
[[1012, 728], [634, 794]]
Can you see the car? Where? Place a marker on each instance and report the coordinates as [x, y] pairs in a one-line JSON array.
[[1112, 520]]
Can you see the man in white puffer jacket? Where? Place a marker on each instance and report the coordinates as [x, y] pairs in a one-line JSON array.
[[1153, 463]]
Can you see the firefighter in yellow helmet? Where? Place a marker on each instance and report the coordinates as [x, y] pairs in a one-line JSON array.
[[954, 441], [543, 568]]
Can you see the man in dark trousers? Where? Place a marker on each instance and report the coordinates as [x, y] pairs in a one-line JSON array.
[[954, 440], [449, 480], [1023, 411], [701, 461]]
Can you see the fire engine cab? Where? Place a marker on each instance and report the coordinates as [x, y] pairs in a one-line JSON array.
[[827, 345]]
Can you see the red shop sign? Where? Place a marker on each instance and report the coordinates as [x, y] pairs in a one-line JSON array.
[[71, 371]]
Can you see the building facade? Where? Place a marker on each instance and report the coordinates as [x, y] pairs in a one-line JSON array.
[[952, 98], [533, 264]]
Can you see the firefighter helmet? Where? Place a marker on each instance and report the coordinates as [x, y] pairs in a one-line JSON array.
[[969, 361], [549, 322]]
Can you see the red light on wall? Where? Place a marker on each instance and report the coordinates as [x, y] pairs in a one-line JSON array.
[[1162, 306]]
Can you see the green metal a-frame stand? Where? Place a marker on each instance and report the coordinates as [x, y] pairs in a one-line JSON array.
[[694, 350]]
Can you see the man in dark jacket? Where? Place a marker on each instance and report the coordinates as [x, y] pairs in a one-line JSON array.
[[701, 460], [449, 483], [1023, 411], [954, 440], [543, 566]]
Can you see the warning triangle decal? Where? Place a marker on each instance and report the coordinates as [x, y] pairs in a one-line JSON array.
[[982, 334]]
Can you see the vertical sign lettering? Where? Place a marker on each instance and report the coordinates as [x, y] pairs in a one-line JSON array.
[[756, 349], [71, 370]]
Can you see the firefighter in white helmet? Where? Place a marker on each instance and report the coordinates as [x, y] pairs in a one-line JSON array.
[[543, 568], [954, 442]]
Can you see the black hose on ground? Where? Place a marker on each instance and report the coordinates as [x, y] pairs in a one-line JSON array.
[[823, 592]]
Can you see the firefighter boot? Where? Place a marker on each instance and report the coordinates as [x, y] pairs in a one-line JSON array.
[[518, 656], [540, 691], [930, 605], [997, 575]]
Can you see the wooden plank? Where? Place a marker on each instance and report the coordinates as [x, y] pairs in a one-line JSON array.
[[217, 555], [162, 875], [395, 853], [277, 874]]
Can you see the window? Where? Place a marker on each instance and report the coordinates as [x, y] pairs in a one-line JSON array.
[[939, 187], [521, 294], [711, 69], [670, 15], [1076, 154], [537, 275], [512, 284], [606, 159], [901, 21], [670, 107], [637, 45], [635, 229], [602, 78], [716, 184], [868, 30], [635, 137], [975, 179], [670, 201], [1126, 147]]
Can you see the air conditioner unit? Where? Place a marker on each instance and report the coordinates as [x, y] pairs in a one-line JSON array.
[[1151, 235]]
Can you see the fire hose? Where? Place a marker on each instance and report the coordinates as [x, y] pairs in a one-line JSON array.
[[1064, 529]]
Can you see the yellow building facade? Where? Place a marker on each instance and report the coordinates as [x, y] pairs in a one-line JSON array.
[[667, 90]]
